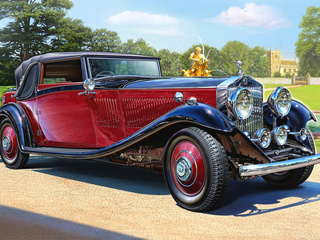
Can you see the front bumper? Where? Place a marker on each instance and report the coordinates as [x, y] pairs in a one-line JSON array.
[[281, 166]]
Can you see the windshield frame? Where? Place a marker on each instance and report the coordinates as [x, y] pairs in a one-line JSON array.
[[124, 59]]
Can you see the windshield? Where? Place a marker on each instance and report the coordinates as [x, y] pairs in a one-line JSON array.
[[100, 67]]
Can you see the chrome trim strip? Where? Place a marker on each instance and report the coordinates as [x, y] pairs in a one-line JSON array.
[[268, 168]]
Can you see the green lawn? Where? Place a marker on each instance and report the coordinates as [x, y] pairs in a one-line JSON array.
[[318, 145], [4, 89], [308, 95]]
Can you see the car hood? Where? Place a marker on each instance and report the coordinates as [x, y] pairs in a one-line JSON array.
[[183, 82]]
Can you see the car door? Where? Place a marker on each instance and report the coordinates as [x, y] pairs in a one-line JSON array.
[[64, 115]]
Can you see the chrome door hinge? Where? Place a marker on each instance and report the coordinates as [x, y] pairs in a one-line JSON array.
[[39, 133]]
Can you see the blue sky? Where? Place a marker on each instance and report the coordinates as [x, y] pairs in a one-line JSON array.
[[175, 24]]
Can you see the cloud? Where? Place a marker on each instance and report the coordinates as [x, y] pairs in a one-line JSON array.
[[147, 23], [252, 15]]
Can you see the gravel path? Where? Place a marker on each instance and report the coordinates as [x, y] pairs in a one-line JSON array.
[[91, 200]]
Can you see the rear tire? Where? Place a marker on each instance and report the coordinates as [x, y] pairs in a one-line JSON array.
[[196, 169], [9, 147]]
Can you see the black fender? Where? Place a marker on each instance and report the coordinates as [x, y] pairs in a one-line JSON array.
[[297, 118], [19, 120]]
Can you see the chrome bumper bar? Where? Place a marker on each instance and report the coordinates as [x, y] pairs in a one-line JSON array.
[[281, 166]]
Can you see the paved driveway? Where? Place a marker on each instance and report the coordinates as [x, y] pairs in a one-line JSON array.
[[70, 199]]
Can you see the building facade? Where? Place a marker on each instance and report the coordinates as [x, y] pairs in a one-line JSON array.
[[282, 66]]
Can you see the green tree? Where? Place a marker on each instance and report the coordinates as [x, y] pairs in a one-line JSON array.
[[140, 47], [308, 43], [32, 23], [71, 36], [170, 62], [277, 74], [258, 64], [7, 67], [232, 51], [104, 41]]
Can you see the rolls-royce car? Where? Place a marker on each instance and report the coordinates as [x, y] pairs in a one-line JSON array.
[[198, 131]]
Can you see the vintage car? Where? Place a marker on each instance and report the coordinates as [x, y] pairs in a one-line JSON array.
[[200, 131]]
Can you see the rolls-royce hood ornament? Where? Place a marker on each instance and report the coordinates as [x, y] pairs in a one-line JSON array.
[[239, 63]]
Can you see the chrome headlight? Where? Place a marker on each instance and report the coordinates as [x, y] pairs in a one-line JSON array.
[[240, 103], [89, 84], [280, 101], [262, 137], [279, 135]]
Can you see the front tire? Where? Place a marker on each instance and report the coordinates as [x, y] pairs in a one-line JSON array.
[[196, 169], [292, 178], [9, 147]]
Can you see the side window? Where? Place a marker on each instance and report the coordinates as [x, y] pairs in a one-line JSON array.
[[29, 82], [60, 72]]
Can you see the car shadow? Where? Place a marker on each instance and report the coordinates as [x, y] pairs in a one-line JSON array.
[[103, 174], [256, 197], [242, 199], [32, 225]]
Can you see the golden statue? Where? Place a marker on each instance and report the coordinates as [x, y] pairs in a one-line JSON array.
[[199, 67]]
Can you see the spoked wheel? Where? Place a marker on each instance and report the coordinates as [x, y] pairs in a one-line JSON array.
[[292, 178], [196, 169], [10, 152]]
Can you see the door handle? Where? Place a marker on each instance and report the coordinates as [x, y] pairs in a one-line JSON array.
[[87, 93]]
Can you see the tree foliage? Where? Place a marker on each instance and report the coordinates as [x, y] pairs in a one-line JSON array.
[[140, 47], [31, 25], [258, 65], [72, 36], [308, 43], [103, 40], [170, 62]]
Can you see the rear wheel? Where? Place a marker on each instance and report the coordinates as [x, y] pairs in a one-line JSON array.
[[292, 178], [196, 169], [10, 152]]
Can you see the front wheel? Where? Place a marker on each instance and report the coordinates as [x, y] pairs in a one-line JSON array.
[[196, 169], [9, 148]]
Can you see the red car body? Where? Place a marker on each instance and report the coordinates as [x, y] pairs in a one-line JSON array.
[[118, 108]]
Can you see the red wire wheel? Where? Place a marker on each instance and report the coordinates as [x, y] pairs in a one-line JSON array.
[[10, 152], [188, 168], [9, 143], [196, 169]]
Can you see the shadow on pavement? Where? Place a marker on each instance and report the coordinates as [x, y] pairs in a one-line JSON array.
[[256, 197], [103, 174], [244, 199], [19, 224]]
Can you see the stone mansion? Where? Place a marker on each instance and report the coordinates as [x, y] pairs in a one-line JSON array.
[[282, 66]]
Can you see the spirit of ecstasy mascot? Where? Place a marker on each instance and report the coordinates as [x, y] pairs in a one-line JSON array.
[[199, 67]]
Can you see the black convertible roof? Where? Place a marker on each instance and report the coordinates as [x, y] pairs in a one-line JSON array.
[[58, 56]]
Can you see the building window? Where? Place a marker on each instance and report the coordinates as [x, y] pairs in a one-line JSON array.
[[289, 69], [276, 57], [285, 70]]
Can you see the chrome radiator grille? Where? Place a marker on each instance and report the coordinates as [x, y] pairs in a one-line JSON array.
[[255, 121]]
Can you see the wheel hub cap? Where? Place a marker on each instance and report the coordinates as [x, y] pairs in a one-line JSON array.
[[183, 169], [9, 144], [188, 168], [6, 143]]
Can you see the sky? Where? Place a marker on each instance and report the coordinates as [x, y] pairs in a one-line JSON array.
[[178, 24]]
